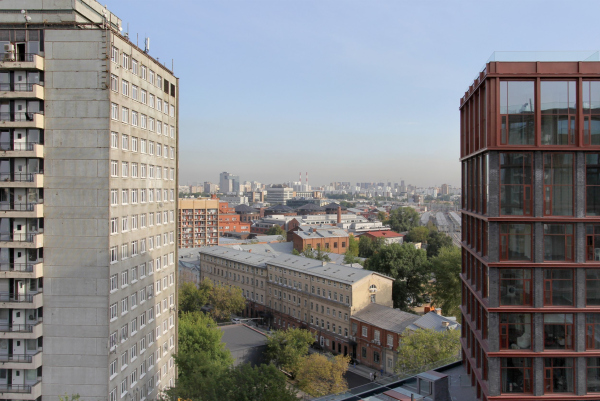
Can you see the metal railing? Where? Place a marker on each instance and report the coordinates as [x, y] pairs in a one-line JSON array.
[[18, 57], [19, 116], [19, 328], [18, 177], [18, 237], [17, 145], [11, 297], [20, 207], [20, 358], [7, 87], [16, 388], [17, 267]]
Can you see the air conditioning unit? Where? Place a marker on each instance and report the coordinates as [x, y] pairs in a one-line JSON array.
[[9, 48]]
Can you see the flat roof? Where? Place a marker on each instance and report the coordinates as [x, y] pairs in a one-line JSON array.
[[575, 55], [240, 336]]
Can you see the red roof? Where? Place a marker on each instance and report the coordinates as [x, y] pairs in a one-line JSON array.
[[384, 234]]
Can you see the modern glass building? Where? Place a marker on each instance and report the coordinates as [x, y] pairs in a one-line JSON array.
[[530, 154]]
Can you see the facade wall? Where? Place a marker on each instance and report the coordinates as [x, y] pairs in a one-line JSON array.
[[375, 350], [337, 245], [198, 222]]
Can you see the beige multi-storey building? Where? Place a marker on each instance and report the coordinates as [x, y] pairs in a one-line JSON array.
[[293, 291], [88, 173], [198, 222]]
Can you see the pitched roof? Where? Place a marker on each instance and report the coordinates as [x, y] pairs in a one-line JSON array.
[[383, 234], [311, 206], [386, 318], [280, 208], [433, 321], [245, 209]]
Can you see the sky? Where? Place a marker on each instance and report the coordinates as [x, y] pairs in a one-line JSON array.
[[346, 90]]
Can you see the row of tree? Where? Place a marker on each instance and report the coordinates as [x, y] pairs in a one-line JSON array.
[[223, 300]]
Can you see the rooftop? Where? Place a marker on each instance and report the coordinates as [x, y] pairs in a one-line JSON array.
[[232, 254], [387, 318], [384, 234], [240, 336], [311, 206], [433, 321], [331, 232], [245, 209], [516, 56]]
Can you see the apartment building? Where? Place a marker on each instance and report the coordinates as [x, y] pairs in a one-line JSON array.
[[198, 223], [229, 220], [293, 291], [530, 153], [88, 173]]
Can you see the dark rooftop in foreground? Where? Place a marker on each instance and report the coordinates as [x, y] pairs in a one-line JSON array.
[[240, 336]]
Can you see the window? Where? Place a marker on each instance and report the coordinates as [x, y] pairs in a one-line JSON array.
[[143, 97], [124, 196], [558, 287], [558, 242], [125, 87], [114, 55], [142, 145], [124, 142], [123, 387], [114, 140], [517, 105], [515, 184], [114, 111], [558, 184], [143, 121], [134, 118], [151, 77], [113, 339], [126, 61], [125, 114], [114, 282], [114, 82], [113, 311], [150, 124], [124, 278], [144, 70], [515, 241], [365, 331], [114, 225], [558, 331], [515, 287], [558, 375], [591, 113], [592, 183], [515, 331], [113, 368], [134, 170], [124, 169], [593, 375], [557, 102], [516, 375], [592, 336], [134, 66], [124, 305], [592, 287], [113, 255]]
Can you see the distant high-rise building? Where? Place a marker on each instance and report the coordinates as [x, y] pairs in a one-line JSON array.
[[530, 152], [89, 134], [445, 189], [229, 182]]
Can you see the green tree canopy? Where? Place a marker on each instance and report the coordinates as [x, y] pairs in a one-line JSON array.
[[446, 288], [309, 252], [403, 219], [319, 375], [225, 300], [276, 230], [436, 241], [192, 298], [367, 247], [408, 267], [422, 347], [259, 383], [287, 347], [418, 234]]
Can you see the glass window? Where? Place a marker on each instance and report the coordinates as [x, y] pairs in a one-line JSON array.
[[516, 375], [558, 375], [515, 184], [592, 184], [516, 109], [558, 112], [515, 287], [593, 375], [592, 287], [591, 112], [558, 241], [592, 336], [592, 242], [558, 287], [558, 184], [558, 331], [515, 331], [515, 241]]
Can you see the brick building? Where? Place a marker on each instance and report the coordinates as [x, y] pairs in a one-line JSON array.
[[247, 214], [390, 237], [332, 239], [229, 220]]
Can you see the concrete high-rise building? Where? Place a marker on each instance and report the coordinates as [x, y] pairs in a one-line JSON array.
[[530, 152], [229, 183], [88, 180]]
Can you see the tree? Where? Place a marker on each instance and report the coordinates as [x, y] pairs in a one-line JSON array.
[[287, 347], [319, 375], [276, 230], [192, 298], [367, 247], [418, 234], [381, 216], [225, 300], [421, 347], [446, 288], [437, 241], [310, 253], [408, 267], [259, 383], [403, 219]]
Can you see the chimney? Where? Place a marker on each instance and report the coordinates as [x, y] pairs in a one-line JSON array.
[[339, 215], [445, 323], [213, 196], [438, 311], [324, 263]]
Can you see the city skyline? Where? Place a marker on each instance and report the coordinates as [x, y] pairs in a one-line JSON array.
[[342, 88]]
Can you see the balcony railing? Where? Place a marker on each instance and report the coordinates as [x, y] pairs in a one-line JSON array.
[[19, 207], [18, 116], [18, 237], [28, 146], [18, 267], [17, 87], [18, 57], [16, 388], [18, 177], [24, 358], [19, 328], [10, 297]]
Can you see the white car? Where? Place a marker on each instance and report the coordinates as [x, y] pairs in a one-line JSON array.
[[236, 320]]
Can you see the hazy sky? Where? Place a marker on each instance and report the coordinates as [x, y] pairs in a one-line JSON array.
[[344, 90]]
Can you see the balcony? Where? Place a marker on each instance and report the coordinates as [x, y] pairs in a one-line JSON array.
[[22, 391], [22, 240], [24, 301], [21, 361], [22, 120], [21, 91], [22, 270], [22, 61], [22, 180], [21, 149], [23, 210], [22, 331]]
